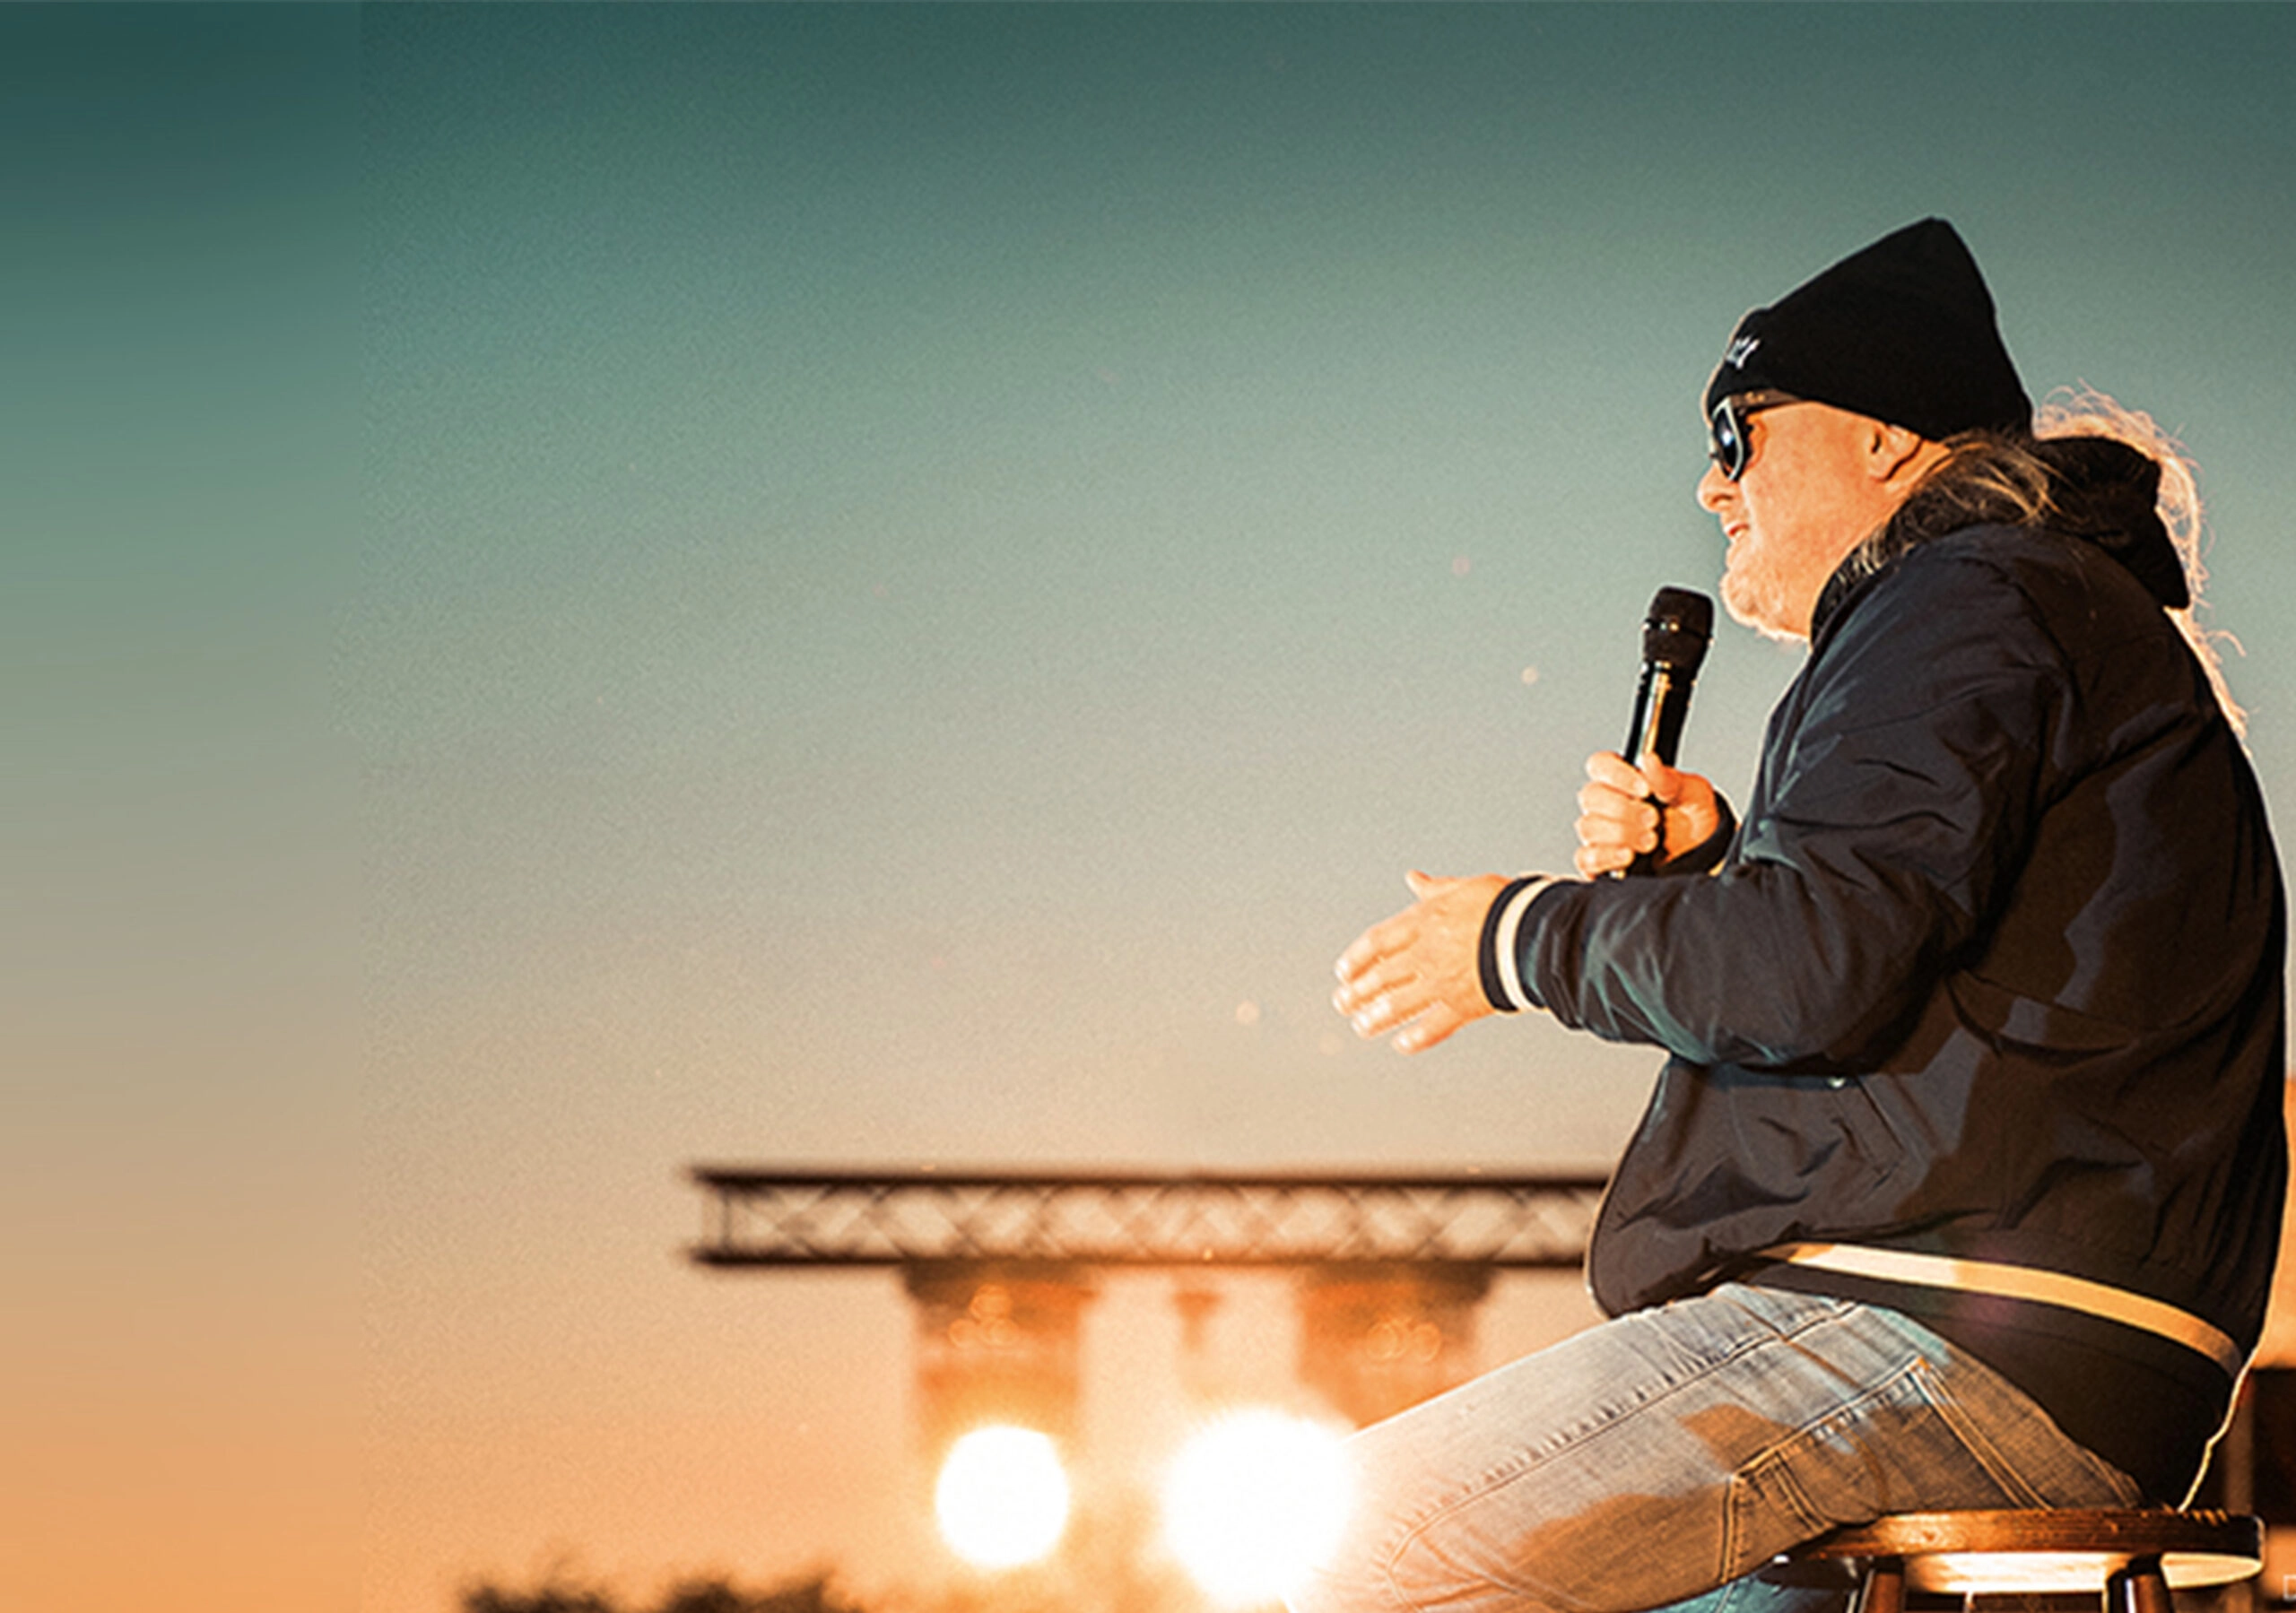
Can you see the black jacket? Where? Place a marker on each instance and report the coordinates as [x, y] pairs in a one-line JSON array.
[[1993, 971]]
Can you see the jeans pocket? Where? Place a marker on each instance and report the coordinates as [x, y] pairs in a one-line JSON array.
[[1919, 1440], [2020, 1446], [1970, 1430]]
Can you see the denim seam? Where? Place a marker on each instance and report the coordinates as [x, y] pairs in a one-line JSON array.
[[1949, 1406], [1773, 1464], [1998, 1467], [1500, 1477]]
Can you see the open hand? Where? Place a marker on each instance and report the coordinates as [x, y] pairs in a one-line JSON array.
[[1418, 974]]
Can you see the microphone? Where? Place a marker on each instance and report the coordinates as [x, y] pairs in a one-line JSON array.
[[1674, 635]]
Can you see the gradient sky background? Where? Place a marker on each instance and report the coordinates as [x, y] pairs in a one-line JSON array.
[[885, 585]]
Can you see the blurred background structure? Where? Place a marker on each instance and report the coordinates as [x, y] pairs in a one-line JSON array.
[[1389, 1269]]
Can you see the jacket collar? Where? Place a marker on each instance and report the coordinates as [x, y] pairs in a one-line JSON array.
[[2101, 490]]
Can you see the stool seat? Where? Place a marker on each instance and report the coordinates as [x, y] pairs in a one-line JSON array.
[[2132, 1557]]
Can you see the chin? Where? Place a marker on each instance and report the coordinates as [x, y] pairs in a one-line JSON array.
[[1750, 607]]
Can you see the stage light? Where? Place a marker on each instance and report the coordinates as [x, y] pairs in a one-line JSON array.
[[1002, 1499], [1254, 1502]]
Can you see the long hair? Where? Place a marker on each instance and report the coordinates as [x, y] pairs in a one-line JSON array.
[[1990, 479]]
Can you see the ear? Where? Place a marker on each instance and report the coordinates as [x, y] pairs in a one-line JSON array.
[[1894, 454]]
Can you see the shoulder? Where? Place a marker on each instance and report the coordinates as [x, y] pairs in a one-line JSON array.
[[1996, 591]]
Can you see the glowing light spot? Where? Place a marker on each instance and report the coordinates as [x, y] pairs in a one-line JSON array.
[[1254, 1503], [1002, 1498], [1248, 1013], [1530, 674]]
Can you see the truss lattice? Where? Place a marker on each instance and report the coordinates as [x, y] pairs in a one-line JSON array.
[[857, 1217]]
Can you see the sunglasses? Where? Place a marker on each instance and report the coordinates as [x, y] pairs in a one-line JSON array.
[[1726, 428]]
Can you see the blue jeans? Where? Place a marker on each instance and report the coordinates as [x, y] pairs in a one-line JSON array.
[[1659, 1459]]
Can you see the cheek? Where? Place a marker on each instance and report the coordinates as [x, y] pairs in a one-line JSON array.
[[1768, 500], [1779, 520]]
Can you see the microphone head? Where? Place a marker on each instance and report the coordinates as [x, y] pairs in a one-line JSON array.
[[1676, 629]]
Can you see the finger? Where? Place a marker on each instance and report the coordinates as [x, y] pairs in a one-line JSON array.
[[1603, 806], [1593, 861], [1603, 799], [1382, 977], [1609, 769], [1380, 940], [1424, 885], [1664, 783], [1636, 830], [1387, 1010], [1374, 1018], [1424, 1032]]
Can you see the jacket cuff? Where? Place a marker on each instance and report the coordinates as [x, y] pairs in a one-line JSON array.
[[1497, 957]]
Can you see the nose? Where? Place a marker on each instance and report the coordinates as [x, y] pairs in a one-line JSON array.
[[1714, 490]]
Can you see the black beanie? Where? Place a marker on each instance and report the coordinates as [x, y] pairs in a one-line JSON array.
[[1903, 330]]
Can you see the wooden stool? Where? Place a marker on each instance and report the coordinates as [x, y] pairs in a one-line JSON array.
[[2133, 1558]]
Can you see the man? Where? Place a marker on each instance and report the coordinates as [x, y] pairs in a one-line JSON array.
[[1962, 1185]]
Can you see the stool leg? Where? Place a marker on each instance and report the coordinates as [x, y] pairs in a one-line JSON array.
[[1882, 1588], [2139, 1588]]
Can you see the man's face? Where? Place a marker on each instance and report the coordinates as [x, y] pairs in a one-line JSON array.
[[1807, 496]]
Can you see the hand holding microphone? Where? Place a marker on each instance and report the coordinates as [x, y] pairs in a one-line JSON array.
[[1631, 819], [1418, 976]]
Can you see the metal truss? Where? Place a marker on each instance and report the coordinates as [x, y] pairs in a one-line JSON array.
[[763, 1217]]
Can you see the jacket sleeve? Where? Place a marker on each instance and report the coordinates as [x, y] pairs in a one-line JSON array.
[[1901, 782]]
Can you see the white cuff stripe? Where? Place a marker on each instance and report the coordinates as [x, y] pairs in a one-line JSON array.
[[1510, 978]]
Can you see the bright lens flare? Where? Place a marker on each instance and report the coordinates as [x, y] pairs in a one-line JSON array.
[[1002, 1498], [1254, 1502]]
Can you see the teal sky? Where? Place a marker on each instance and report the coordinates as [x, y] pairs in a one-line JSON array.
[[896, 582], [942, 551]]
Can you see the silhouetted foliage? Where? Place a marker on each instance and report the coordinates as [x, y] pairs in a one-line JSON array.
[[552, 1598], [719, 1596], [714, 1594]]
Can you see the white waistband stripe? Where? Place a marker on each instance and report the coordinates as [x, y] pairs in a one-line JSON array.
[[2022, 1282]]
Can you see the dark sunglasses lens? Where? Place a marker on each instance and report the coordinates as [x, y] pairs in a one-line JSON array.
[[1727, 448]]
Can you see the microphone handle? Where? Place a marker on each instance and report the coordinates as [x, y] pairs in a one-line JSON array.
[[1661, 704]]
